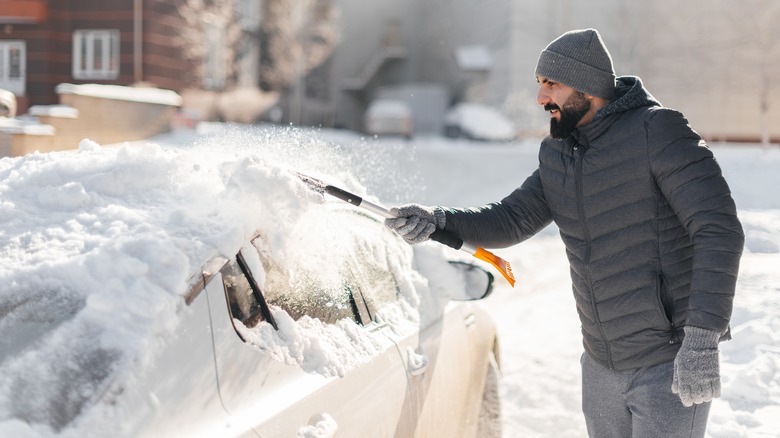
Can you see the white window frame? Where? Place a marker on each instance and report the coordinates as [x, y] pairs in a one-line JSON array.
[[13, 75], [96, 54]]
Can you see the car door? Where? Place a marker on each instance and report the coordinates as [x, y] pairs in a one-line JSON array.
[[263, 383], [176, 394], [446, 361]]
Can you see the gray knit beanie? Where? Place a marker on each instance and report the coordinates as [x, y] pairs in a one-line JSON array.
[[579, 59]]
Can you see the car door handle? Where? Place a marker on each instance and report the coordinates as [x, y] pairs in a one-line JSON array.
[[416, 363]]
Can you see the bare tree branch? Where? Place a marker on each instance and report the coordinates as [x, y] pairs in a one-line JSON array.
[[297, 36], [202, 19]]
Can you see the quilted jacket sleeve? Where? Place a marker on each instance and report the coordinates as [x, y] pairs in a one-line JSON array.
[[501, 224], [691, 181]]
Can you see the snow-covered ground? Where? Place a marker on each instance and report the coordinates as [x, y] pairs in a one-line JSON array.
[[538, 325]]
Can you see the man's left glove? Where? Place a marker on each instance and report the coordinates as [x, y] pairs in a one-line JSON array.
[[696, 367]]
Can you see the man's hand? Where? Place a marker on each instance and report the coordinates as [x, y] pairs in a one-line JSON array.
[[415, 222], [696, 367]]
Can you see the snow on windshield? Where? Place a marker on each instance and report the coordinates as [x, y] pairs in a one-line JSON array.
[[98, 246]]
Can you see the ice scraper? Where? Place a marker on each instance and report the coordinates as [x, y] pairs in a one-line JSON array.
[[441, 236]]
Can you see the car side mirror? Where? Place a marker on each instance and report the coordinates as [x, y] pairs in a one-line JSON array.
[[477, 282]]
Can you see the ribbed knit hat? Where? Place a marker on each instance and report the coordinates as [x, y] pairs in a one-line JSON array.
[[579, 59]]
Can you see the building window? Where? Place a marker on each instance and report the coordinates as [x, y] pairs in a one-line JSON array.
[[96, 54], [12, 66]]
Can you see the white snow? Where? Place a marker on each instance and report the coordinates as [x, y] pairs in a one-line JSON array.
[[324, 427], [119, 92], [77, 234], [481, 122], [474, 58]]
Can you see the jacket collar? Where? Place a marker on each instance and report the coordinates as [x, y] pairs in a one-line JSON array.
[[629, 94]]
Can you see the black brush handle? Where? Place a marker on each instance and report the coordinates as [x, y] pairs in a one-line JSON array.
[[344, 195], [447, 238]]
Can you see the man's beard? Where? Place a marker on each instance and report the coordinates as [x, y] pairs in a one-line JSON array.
[[572, 112]]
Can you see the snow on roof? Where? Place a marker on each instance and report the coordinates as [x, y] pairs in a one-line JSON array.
[[118, 92], [23, 126], [64, 111], [474, 58]]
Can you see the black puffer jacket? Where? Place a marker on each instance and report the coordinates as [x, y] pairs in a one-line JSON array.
[[649, 225]]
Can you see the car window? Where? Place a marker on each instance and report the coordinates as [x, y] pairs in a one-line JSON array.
[[328, 306], [244, 304], [366, 283], [373, 282], [300, 294]]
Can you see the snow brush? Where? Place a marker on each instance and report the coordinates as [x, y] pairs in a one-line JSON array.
[[441, 236]]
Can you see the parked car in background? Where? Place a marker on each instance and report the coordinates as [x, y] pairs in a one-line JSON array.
[[389, 117], [475, 121], [203, 292]]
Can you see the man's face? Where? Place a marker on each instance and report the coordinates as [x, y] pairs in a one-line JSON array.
[[567, 106]]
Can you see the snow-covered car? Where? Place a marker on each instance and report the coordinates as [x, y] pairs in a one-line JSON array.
[[389, 117], [476, 121], [152, 291]]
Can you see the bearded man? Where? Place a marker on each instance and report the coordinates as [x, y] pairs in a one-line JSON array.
[[651, 233]]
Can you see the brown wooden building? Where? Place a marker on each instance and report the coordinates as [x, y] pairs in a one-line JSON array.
[[167, 44]]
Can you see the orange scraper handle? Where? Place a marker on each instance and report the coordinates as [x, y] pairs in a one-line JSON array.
[[502, 265], [456, 242]]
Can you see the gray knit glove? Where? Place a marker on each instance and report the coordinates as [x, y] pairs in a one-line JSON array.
[[415, 222], [696, 367]]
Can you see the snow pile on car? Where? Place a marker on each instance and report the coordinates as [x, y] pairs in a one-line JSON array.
[[98, 246]]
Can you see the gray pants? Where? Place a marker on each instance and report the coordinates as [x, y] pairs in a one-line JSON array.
[[637, 403]]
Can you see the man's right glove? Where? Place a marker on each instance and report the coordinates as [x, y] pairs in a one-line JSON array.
[[415, 223]]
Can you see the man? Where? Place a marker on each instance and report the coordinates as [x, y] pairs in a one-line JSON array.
[[650, 230]]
